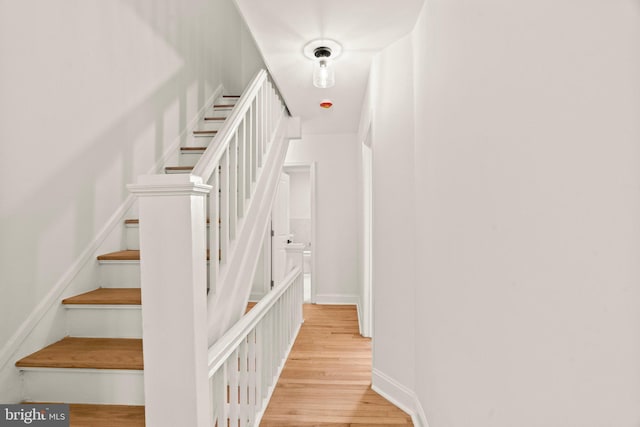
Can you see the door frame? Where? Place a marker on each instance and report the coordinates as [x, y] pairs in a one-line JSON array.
[[310, 167]]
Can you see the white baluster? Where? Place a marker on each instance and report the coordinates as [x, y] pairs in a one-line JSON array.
[[242, 166], [233, 187], [224, 207], [233, 381], [243, 383], [214, 232]]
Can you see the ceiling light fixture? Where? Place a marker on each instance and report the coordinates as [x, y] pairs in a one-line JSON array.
[[322, 52], [324, 75]]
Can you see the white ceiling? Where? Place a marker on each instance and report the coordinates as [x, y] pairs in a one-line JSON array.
[[363, 27]]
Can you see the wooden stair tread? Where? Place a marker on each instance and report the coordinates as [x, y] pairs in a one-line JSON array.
[[231, 96], [205, 132], [193, 148], [224, 105], [86, 415], [137, 221], [88, 353], [95, 415], [126, 255], [214, 118], [178, 168], [107, 296]]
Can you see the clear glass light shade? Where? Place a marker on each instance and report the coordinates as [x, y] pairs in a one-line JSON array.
[[323, 74]]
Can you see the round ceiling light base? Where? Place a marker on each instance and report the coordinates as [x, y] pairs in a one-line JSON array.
[[333, 46]]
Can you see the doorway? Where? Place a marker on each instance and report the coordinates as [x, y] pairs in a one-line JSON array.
[[302, 219]]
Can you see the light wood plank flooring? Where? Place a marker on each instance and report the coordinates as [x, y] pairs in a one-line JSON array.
[[327, 378], [106, 416]]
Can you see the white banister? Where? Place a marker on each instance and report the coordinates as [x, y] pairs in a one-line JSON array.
[[211, 157], [245, 363], [233, 185]]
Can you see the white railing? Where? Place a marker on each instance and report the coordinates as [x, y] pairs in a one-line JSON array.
[[244, 365], [233, 185], [237, 152]]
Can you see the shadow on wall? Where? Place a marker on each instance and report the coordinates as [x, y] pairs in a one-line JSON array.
[[67, 211]]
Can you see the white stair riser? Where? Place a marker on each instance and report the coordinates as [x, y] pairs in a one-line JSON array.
[[101, 386], [198, 141], [210, 125], [133, 237], [104, 321], [119, 274], [226, 101], [189, 159], [217, 112]]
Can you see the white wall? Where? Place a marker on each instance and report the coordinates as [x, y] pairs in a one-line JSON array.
[[92, 94], [393, 213], [527, 207], [299, 195], [336, 274]]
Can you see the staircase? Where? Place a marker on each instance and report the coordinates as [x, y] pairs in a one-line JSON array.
[[98, 368]]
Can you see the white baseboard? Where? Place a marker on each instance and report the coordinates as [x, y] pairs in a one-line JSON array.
[[337, 299], [401, 396], [359, 312], [12, 346]]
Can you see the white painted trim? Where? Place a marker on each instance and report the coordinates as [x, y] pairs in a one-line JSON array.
[[297, 167], [267, 399], [337, 299], [419, 418], [401, 396], [13, 344], [169, 185]]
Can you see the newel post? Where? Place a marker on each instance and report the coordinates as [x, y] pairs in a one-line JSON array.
[[173, 270]]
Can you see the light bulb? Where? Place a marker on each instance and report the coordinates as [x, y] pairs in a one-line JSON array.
[[323, 74]]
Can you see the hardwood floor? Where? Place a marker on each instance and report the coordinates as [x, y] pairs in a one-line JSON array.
[[327, 378], [106, 416]]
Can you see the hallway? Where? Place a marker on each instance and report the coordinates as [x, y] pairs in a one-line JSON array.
[[327, 378]]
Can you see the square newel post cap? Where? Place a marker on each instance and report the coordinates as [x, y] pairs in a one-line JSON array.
[[169, 185]]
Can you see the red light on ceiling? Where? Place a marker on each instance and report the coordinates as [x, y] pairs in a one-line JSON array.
[[326, 103]]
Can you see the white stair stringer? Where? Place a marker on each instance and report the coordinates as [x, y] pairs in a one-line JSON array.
[[100, 386], [228, 304]]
